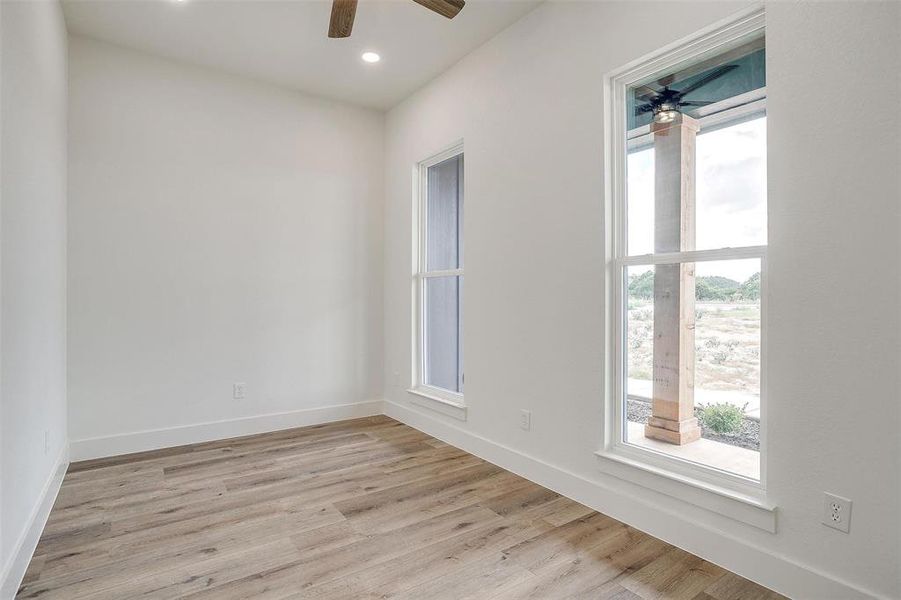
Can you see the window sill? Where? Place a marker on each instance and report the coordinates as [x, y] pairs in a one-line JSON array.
[[749, 508], [434, 400]]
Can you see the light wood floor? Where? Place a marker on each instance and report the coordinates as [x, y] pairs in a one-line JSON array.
[[368, 508]]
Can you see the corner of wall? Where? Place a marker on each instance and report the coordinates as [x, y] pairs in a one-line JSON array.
[[25, 545]]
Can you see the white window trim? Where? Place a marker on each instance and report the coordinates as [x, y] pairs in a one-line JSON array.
[[443, 401], [726, 493]]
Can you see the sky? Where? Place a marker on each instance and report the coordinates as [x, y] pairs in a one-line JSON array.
[[730, 195]]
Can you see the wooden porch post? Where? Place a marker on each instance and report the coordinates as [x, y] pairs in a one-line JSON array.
[[672, 411]]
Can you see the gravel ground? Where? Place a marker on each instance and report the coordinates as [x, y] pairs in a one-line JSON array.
[[749, 436]]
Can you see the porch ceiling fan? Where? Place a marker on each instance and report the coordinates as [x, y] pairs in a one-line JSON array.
[[343, 12], [666, 103]]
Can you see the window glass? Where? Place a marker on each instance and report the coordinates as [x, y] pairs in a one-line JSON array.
[[727, 329], [731, 186], [640, 210], [639, 349], [444, 211], [730, 190], [727, 333], [724, 357], [689, 334], [443, 321]]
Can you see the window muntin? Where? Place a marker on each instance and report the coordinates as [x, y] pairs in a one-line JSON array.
[[439, 278], [720, 262]]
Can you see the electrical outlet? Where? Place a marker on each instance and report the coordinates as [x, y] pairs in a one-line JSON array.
[[836, 512], [238, 391], [525, 420]]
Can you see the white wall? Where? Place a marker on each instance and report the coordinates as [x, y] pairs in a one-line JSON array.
[[33, 273], [528, 105], [220, 231]]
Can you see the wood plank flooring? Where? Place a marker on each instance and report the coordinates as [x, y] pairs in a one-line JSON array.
[[368, 508]]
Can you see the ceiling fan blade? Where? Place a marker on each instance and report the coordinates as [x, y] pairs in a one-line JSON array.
[[696, 103], [645, 93], [342, 21], [666, 80], [445, 8], [640, 110], [715, 74]]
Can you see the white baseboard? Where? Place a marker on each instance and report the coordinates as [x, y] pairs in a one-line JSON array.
[[757, 564], [17, 564], [155, 439]]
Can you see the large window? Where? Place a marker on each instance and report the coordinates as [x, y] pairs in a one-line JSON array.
[[688, 259], [439, 278]]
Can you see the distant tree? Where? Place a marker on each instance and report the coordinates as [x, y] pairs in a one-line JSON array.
[[642, 286], [719, 282], [708, 288], [750, 289], [714, 288]]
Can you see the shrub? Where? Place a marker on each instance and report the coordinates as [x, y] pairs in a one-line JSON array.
[[720, 357], [641, 333], [643, 314], [722, 418], [722, 353]]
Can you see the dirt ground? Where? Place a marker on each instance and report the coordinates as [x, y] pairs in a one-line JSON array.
[[727, 345]]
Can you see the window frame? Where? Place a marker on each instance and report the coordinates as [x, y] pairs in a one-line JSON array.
[[442, 400], [699, 484]]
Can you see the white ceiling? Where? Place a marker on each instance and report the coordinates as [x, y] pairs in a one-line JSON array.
[[285, 42]]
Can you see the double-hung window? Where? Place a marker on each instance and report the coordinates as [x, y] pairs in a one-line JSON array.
[[438, 281], [687, 260]]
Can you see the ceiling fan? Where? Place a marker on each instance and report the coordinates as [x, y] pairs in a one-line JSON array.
[[665, 103], [343, 12]]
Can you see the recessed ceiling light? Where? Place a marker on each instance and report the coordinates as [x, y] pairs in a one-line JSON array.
[[371, 57]]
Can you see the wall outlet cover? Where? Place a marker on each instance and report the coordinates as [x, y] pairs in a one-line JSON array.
[[836, 512], [239, 390], [525, 420]]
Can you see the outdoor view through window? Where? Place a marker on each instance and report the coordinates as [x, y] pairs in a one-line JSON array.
[[694, 262]]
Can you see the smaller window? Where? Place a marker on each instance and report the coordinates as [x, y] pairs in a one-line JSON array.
[[438, 280]]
